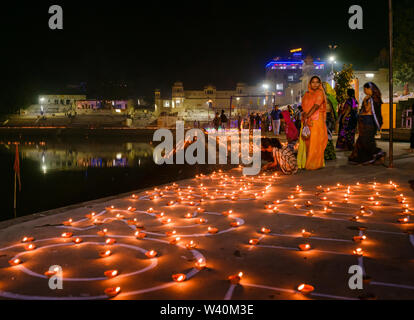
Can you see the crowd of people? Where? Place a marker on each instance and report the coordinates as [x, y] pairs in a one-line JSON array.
[[309, 130]]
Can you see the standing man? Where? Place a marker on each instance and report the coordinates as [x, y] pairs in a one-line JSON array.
[[275, 114]]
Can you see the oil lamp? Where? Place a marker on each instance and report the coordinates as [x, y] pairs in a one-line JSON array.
[[179, 277], [67, 235], [131, 209], [190, 245], [265, 230], [112, 292], [276, 202], [235, 279], [27, 239], [305, 247], [253, 242], [175, 240], [404, 220], [110, 241], [200, 210], [29, 247], [77, 240], [201, 221], [305, 288], [268, 206], [227, 213], [68, 223], [310, 213], [111, 274], [359, 238], [356, 218], [150, 210], [140, 235], [15, 262], [91, 215], [306, 234], [171, 233], [358, 252], [105, 253], [151, 254], [212, 230], [235, 224], [308, 203], [170, 203], [51, 273], [200, 264], [166, 221]]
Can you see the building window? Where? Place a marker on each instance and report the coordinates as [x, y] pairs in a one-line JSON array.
[[279, 86]]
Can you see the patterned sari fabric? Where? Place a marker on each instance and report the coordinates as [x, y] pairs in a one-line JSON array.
[[318, 140], [286, 160], [347, 126]]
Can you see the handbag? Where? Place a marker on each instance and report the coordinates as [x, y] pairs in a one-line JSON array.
[[306, 132]]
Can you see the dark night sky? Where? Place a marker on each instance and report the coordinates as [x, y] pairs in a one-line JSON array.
[[197, 42]]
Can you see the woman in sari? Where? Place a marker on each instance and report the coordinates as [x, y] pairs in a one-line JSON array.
[[347, 123], [369, 122], [314, 117]]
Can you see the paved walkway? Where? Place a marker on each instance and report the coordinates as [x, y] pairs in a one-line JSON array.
[[273, 265]]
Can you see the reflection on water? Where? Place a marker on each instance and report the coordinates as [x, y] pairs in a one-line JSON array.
[[61, 172], [78, 155]]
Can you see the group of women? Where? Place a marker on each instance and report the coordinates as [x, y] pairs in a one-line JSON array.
[[318, 123]]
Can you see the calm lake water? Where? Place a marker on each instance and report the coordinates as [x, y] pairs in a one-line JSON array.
[[61, 172]]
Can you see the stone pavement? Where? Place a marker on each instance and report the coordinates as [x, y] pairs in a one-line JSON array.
[[259, 237]]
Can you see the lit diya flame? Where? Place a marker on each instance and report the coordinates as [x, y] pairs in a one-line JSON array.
[[131, 209], [111, 274], [268, 206], [103, 232], [212, 230], [105, 253], [305, 247], [292, 197], [200, 264], [171, 233], [77, 240], [330, 204], [150, 210], [191, 245], [356, 218], [359, 238], [134, 196], [227, 213], [67, 235], [97, 222], [188, 216], [15, 262], [377, 203], [166, 221], [112, 292], [119, 216], [140, 235], [180, 277], [51, 273], [404, 220], [235, 224], [27, 239], [265, 230], [68, 223], [305, 288], [358, 252], [275, 209], [151, 254], [306, 234], [201, 221], [310, 213], [200, 210], [308, 203], [110, 241], [91, 215], [29, 247], [235, 279], [170, 203], [276, 202], [253, 242], [175, 240]]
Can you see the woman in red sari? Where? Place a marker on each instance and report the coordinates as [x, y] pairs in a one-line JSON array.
[[314, 116]]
